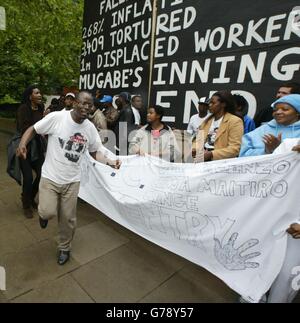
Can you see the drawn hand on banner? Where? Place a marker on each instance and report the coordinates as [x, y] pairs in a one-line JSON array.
[[231, 258]]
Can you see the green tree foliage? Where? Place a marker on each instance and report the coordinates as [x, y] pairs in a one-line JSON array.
[[41, 44]]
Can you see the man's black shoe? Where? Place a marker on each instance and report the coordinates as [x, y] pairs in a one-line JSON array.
[[63, 257], [43, 223]]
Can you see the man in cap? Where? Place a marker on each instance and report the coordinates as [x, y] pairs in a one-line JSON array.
[[123, 100], [69, 101], [111, 114], [197, 119], [106, 99]]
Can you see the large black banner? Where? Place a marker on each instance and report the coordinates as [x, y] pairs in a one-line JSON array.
[[116, 46], [248, 47]]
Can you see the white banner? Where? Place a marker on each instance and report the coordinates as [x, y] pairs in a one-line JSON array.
[[227, 216]]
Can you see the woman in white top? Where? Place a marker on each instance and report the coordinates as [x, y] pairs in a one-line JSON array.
[[155, 138]]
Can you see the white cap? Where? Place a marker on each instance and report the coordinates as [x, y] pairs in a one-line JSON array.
[[203, 100], [70, 94]]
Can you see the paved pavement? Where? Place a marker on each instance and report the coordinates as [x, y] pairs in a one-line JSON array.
[[109, 263]]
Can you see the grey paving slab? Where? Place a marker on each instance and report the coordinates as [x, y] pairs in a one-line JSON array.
[[94, 240], [150, 252], [210, 282], [14, 237], [129, 234], [125, 274], [62, 290], [29, 268], [6, 182], [3, 299], [191, 286], [7, 216], [11, 202], [86, 214], [40, 235]]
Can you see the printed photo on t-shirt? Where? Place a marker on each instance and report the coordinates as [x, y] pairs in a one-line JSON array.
[[74, 147]]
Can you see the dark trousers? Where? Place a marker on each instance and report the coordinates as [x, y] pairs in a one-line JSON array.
[[30, 184]]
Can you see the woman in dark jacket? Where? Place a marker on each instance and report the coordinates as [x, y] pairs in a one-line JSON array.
[[31, 111]]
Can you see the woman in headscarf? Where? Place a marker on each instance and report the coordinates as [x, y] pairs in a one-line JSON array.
[[286, 124], [266, 140]]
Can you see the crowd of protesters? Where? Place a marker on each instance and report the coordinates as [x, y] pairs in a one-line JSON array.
[[123, 123]]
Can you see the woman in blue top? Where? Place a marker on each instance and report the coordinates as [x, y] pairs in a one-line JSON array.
[[286, 124], [265, 140]]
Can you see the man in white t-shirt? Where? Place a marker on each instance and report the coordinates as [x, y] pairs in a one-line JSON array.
[[70, 135], [197, 119]]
